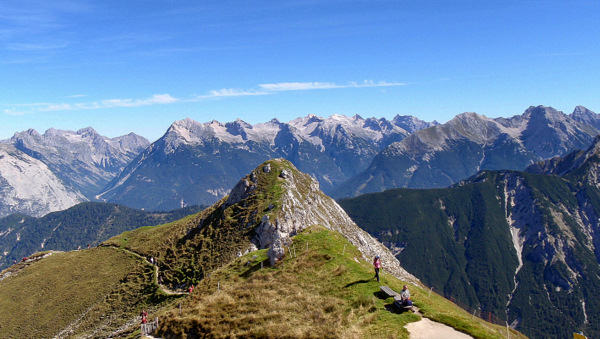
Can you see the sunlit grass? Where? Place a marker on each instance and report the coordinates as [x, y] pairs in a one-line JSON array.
[[323, 290]]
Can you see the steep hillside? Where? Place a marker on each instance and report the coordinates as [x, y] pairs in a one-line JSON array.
[[524, 246], [29, 187], [319, 290], [197, 163], [90, 293], [302, 255], [442, 155], [85, 224], [271, 204]]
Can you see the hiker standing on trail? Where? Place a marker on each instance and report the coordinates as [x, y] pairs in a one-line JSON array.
[[191, 289], [144, 316], [377, 265]]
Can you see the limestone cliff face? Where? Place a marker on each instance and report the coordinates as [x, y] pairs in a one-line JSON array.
[[300, 204]]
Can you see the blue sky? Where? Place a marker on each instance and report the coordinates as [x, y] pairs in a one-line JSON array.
[[122, 66]]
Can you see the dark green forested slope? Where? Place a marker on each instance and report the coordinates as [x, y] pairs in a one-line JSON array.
[[459, 241], [83, 224]]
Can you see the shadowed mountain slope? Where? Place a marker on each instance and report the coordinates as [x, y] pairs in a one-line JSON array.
[[84, 224], [524, 246]]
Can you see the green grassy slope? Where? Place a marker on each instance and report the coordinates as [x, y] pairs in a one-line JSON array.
[[324, 289], [321, 290], [93, 291]]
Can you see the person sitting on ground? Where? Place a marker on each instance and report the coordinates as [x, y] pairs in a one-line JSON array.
[[405, 297]]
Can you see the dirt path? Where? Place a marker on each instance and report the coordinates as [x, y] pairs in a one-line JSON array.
[[427, 329]]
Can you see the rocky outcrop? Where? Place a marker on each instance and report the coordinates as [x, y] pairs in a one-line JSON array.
[[301, 205]]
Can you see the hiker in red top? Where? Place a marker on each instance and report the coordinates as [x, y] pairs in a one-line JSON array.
[[191, 289], [377, 265], [144, 315]]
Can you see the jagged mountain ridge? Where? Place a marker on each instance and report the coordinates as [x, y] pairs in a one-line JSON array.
[[524, 245], [195, 162], [54, 171], [445, 154], [83, 159]]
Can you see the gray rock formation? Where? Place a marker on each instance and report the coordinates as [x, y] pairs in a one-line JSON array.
[[302, 204], [29, 187], [84, 159]]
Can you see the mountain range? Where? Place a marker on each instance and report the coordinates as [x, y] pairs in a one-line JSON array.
[[442, 155], [59, 169], [523, 245], [195, 163]]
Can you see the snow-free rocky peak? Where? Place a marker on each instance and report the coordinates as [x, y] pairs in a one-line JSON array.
[[209, 157], [296, 204]]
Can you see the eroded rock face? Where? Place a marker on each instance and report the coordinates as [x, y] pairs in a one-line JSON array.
[[302, 204]]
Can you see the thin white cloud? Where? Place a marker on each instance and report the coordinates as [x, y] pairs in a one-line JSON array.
[[302, 86], [163, 99], [230, 92], [32, 47], [156, 99], [297, 86]]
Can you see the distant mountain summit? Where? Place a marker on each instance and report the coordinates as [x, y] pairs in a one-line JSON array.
[[83, 159], [42, 173], [583, 165], [442, 155], [195, 163]]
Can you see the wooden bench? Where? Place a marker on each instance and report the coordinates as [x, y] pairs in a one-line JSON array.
[[388, 291], [397, 300]]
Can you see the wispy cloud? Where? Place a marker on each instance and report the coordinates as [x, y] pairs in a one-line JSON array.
[[230, 92], [163, 99], [302, 86], [156, 99], [29, 47]]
